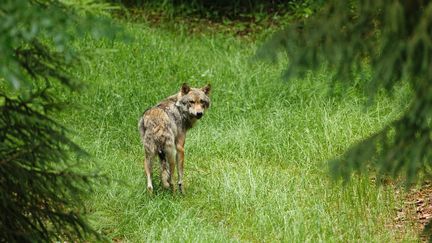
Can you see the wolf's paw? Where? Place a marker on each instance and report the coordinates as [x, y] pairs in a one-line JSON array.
[[150, 189], [181, 189], [173, 188], [166, 184]]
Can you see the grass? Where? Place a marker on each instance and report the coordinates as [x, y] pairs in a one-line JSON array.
[[256, 164]]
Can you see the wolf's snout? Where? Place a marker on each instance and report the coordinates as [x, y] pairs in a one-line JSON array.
[[199, 115]]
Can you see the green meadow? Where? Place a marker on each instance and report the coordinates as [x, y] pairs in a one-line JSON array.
[[256, 165]]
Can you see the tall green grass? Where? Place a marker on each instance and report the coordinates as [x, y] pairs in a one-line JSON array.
[[255, 167]]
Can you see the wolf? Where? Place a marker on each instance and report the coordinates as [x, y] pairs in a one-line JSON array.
[[163, 131]]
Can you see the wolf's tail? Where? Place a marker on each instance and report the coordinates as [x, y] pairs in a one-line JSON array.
[[141, 128]]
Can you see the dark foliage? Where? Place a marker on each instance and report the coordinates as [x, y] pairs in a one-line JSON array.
[[239, 4], [41, 191], [222, 8], [393, 40], [41, 196]]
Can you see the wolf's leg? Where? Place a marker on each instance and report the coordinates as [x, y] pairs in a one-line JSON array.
[[171, 157], [164, 170], [148, 171], [180, 162]]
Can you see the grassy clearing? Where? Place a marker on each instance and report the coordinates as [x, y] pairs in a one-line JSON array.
[[255, 165]]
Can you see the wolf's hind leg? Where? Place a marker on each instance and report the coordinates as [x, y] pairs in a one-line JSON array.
[[180, 165], [171, 157], [164, 170], [148, 171]]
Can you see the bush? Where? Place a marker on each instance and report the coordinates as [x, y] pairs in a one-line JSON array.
[[40, 191], [219, 8]]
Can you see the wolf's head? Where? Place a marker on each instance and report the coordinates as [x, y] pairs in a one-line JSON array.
[[193, 101]]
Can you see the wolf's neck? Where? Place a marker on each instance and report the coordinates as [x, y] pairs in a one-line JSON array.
[[186, 120]]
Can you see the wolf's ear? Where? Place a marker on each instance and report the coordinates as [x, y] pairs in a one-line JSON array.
[[206, 89], [185, 89]]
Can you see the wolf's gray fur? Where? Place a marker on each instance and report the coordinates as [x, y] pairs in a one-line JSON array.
[[163, 131]]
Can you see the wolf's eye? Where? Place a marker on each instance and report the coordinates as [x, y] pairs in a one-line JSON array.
[[192, 102]]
